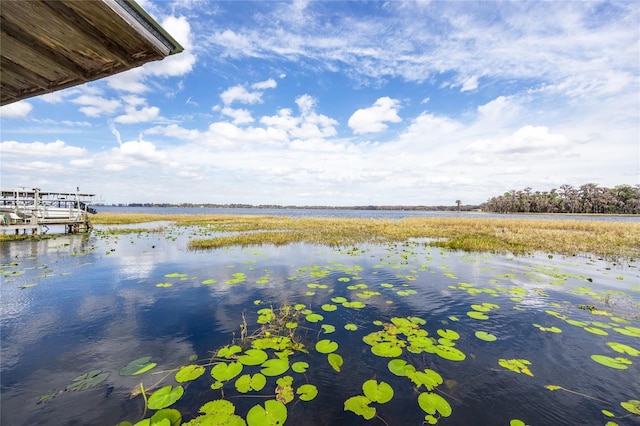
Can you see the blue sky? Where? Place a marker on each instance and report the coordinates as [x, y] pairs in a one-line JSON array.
[[348, 103]]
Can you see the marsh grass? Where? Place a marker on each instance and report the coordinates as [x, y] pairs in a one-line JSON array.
[[477, 234]]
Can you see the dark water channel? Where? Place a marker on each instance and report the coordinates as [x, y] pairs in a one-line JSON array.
[[79, 303]]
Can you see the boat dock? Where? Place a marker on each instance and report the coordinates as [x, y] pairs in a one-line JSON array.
[[35, 211]]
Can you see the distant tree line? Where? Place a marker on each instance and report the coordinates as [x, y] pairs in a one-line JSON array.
[[458, 207], [588, 198]]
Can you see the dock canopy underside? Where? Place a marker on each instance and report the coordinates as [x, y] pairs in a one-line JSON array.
[[50, 45]]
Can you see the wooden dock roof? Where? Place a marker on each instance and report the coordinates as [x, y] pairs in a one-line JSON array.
[[51, 45]]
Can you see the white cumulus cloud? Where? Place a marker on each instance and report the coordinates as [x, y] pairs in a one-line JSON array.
[[20, 109], [374, 118]]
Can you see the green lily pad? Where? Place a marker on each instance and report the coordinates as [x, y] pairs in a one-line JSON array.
[[516, 365], [450, 353], [274, 413], [328, 328], [350, 327], [595, 330], [356, 304], [253, 357], [223, 372], [449, 334], [610, 362], [399, 367], [326, 346], [284, 390], [88, 380], [247, 382], [218, 406], [633, 406], [377, 392], [137, 366], [335, 361], [164, 397], [166, 416], [429, 378], [314, 317], [307, 392], [432, 403], [229, 351], [189, 373], [477, 315], [300, 366], [328, 307], [623, 349], [628, 331], [275, 367], [387, 349], [359, 405], [487, 337]]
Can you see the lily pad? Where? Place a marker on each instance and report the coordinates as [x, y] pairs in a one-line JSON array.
[[253, 357], [328, 328], [189, 373], [487, 337], [516, 365], [247, 382], [377, 392], [275, 367], [300, 366], [307, 392], [350, 327], [328, 307], [137, 366], [360, 405], [433, 403], [284, 390], [399, 367], [633, 406], [88, 380], [218, 406], [623, 349], [326, 346], [335, 361], [223, 372], [387, 349], [229, 351], [477, 315], [274, 413], [166, 416], [165, 396], [429, 378], [314, 317], [610, 362], [450, 353]]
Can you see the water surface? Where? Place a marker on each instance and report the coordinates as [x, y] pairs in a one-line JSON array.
[[79, 303]]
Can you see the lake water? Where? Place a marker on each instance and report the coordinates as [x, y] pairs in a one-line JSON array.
[[81, 303], [355, 213]]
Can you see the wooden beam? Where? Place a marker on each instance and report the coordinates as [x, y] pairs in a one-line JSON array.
[[25, 73], [89, 29], [29, 42]]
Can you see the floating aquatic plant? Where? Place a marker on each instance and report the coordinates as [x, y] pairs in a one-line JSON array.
[[165, 397], [434, 405], [274, 413], [189, 373], [516, 365], [137, 366], [618, 363]]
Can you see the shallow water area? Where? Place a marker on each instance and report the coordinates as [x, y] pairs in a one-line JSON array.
[[85, 303]]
